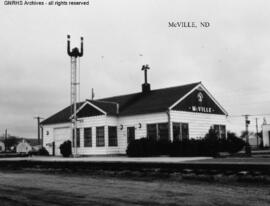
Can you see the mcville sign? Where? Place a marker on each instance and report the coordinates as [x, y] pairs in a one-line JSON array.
[[202, 109]]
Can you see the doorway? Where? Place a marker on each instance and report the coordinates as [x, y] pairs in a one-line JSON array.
[[130, 134]]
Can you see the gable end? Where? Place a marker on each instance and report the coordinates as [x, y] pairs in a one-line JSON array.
[[199, 100]]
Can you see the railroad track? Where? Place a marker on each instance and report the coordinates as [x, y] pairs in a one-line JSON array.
[[201, 168]]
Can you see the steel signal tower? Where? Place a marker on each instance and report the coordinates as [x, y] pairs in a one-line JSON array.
[[74, 83]]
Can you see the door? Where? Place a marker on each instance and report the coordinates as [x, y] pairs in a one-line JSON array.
[[130, 134], [60, 135]]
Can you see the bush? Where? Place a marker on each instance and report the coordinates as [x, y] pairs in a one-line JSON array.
[[163, 147], [142, 148], [65, 148], [233, 143], [194, 147], [211, 145], [41, 152]]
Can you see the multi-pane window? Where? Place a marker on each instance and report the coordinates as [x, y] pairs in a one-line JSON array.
[[158, 131], [220, 130], [100, 141], [163, 131], [77, 137], [152, 131], [180, 131], [88, 137], [112, 136]]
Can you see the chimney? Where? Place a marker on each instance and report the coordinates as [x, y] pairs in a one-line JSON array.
[[145, 86]]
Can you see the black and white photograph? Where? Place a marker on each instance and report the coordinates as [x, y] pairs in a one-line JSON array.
[[135, 102]]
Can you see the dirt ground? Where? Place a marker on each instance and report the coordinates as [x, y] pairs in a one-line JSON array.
[[40, 189]]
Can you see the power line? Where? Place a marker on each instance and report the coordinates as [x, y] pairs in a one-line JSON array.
[[251, 115]]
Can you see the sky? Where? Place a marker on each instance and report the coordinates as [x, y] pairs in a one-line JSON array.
[[230, 57]]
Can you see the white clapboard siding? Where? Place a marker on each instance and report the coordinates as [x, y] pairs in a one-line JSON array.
[[50, 132], [135, 121], [199, 123], [93, 122]]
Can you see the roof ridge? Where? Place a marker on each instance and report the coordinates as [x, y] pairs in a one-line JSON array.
[[106, 102], [195, 83]]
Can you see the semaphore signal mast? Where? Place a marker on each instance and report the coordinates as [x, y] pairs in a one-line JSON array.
[[74, 83]]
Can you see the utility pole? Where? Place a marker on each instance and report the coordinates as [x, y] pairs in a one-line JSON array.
[[247, 148], [38, 118], [5, 140], [257, 132]]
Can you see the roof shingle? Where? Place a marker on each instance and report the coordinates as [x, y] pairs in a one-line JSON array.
[[158, 100]]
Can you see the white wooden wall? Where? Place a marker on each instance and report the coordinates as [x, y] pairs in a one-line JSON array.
[[49, 135], [93, 122], [199, 123], [134, 121], [56, 135]]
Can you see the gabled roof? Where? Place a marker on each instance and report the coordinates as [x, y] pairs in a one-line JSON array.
[[109, 107], [61, 116], [159, 100]]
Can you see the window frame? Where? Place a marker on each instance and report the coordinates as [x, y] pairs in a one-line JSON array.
[[219, 126], [100, 143], [157, 132], [180, 124], [90, 140], [112, 140]]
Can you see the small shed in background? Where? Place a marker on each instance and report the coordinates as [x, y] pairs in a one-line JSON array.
[[2, 146], [23, 147]]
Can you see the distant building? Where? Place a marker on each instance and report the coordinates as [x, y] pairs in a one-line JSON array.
[[23, 147], [266, 135], [2, 146], [254, 141], [106, 126]]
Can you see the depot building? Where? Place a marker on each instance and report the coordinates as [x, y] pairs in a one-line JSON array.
[[107, 125]]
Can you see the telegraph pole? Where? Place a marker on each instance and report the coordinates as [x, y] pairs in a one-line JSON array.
[[38, 118], [257, 132], [247, 148], [6, 140]]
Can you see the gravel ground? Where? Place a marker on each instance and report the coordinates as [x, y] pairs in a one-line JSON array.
[[40, 189]]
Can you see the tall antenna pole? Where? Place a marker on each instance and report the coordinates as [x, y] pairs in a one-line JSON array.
[[74, 54]]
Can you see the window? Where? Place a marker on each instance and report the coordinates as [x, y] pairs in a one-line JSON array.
[[112, 136], [184, 130], [152, 131], [158, 131], [163, 131], [88, 137], [176, 132], [180, 131], [100, 137], [78, 138], [220, 130]]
